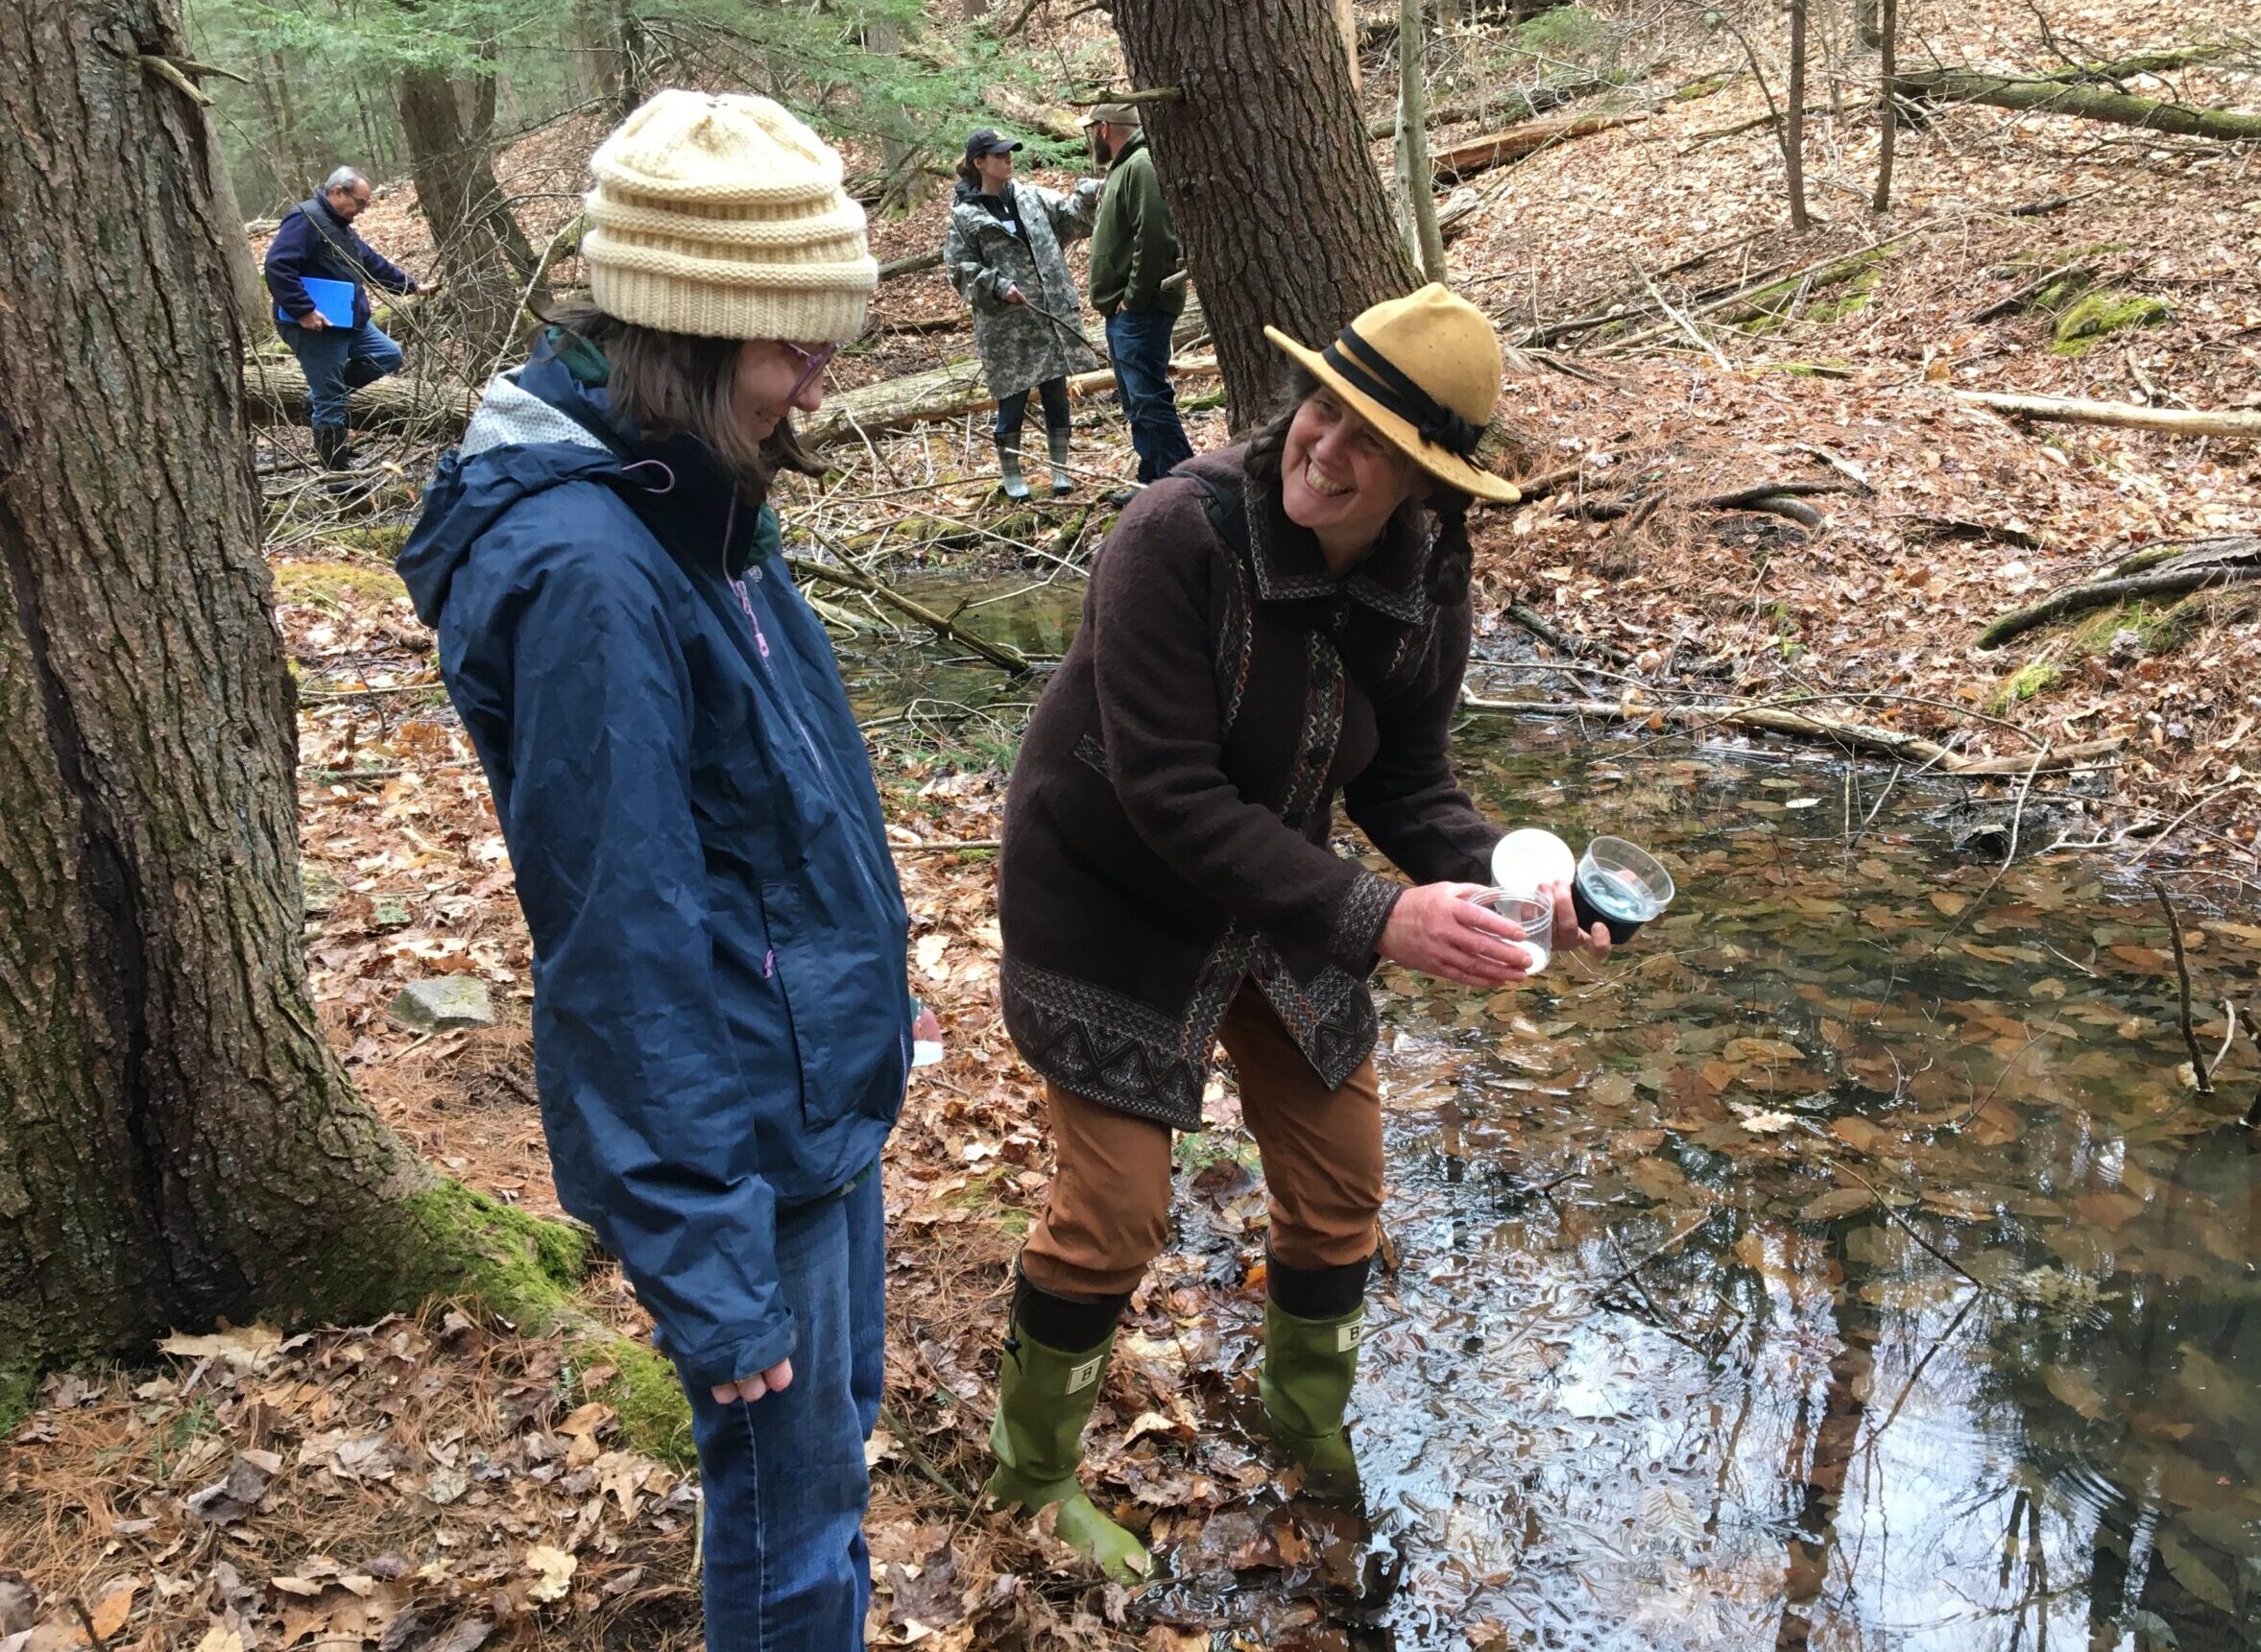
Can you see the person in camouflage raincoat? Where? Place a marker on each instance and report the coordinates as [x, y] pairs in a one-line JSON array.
[[1003, 253]]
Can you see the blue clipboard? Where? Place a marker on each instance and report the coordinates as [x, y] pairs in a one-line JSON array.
[[332, 299]]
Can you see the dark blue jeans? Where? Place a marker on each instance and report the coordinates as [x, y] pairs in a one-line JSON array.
[[1139, 340], [337, 360], [786, 1568], [1012, 410]]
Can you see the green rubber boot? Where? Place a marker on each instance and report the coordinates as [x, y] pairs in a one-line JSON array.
[[1044, 1397], [1307, 1370], [1015, 484]]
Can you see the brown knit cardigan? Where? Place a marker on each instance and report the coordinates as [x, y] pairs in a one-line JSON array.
[[1167, 825]]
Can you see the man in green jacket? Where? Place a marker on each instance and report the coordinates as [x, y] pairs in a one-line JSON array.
[[1134, 253]]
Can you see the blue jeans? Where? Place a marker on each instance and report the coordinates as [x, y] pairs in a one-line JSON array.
[[337, 360], [1139, 340], [786, 1568], [1011, 410]]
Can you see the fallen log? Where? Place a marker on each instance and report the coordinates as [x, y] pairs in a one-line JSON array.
[[2205, 573], [2122, 414], [942, 392], [2080, 98], [1493, 149], [911, 265], [275, 392], [1775, 720]]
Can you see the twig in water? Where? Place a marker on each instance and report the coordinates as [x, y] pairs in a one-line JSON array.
[[2228, 1036], [1909, 1228], [2190, 1037]]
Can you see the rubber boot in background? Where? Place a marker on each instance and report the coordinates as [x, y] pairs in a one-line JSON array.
[[1044, 1397], [332, 447], [1063, 483], [1008, 458]]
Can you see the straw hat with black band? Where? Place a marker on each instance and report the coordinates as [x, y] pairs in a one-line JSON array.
[[1424, 371]]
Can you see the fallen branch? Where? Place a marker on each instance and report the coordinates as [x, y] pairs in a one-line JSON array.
[[2012, 303], [2120, 415], [2172, 581], [1775, 720], [2190, 1037], [944, 393], [911, 265], [2084, 101], [997, 653]]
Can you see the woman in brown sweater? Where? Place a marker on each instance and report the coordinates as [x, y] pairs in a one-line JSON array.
[[1273, 625]]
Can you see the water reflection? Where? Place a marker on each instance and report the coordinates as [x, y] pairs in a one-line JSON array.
[[1844, 1266]]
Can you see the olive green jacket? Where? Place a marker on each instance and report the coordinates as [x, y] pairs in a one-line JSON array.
[[1134, 249]]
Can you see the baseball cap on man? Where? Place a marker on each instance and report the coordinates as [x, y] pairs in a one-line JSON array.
[[989, 141], [1115, 115]]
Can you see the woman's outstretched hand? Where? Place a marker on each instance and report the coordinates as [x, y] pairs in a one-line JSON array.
[[775, 1379], [1438, 931]]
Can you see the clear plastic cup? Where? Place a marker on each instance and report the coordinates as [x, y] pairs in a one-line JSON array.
[[1536, 914], [1622, 885]]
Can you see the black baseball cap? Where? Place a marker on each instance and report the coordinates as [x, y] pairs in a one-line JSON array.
[[989, 141]]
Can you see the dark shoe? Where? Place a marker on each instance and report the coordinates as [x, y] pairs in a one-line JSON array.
[[1044, 1397], [1121, 496], [1063, 484], [1308, 1367], [332, 448], [1008, 457]]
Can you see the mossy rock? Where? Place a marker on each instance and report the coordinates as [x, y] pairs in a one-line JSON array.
[[2100, 314], [2026, 683], [17, 1380]]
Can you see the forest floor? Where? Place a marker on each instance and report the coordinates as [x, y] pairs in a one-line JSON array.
[[441, 1482]]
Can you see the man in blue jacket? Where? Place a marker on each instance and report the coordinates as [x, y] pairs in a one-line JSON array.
[[316, 239]]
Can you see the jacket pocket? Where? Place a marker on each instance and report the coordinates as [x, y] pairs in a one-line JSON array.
[[838, 965]]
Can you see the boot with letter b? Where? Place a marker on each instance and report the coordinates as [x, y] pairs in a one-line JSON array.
[[1044, 1397], [1314, 1322]]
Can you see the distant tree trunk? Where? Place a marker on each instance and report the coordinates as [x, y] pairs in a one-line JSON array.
[[1303, 245], [1869, 25], [631, 54], [296, 168], [253, 305], [1888, 105], [1416, 183], [483, 252], [1448, 15], [1793, 118], [900, 149], [180, 1143], [1346, 24]]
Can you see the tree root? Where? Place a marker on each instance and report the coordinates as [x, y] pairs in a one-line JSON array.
[[2233, 563]]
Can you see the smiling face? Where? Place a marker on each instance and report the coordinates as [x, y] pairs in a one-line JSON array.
[[762, 390], [1340, 479]]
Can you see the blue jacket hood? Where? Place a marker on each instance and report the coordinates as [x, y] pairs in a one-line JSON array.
[[535, 429]]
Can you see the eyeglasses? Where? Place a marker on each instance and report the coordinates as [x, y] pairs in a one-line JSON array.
[[812, 366]]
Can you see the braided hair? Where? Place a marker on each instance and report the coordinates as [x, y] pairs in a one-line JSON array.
[[1451, 556]]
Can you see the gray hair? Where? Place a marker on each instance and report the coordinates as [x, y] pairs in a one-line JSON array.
[[344, 178]]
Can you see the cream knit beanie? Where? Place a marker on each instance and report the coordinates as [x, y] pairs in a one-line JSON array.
[[724, 216]]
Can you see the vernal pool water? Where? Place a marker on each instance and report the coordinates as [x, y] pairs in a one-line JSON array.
[[1846, 1263]]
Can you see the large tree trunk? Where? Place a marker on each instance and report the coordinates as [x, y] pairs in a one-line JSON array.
[[177, 1141], [1263, 163], [483, 252], [253, 306]]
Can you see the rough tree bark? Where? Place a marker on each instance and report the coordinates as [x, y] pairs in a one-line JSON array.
[[177, 1141], [483, 252], [1264, 164]]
